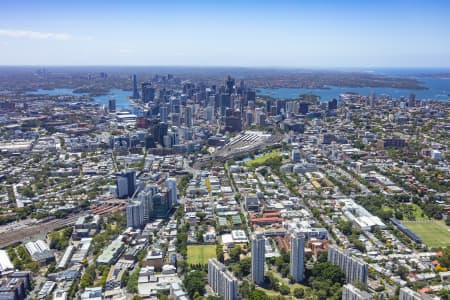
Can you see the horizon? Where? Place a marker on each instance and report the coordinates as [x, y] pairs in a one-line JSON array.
[[274, 34]]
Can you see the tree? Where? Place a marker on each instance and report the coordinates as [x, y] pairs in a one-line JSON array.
[[299, 293], [194, 282], [284, 289], [235, 253]]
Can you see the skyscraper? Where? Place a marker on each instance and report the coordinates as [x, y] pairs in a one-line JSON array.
[[163, 113], [297, 268], [148, 92], [354, 268], [135, 88], [146, 198], [221, 280], [188, 116], [258, 258], [126, 184], [412, 100], [135, 214], [304, 108], [171, 184], [112, 105]]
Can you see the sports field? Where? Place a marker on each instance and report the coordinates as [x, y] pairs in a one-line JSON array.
[[432, 233], [199, 254]]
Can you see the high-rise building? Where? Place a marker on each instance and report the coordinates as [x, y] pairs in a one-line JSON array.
[[135, 214], [225, 102], [304, 108], [372, 100], [126, 184], [295, 155], [148, 92], [135, 88], [350, 292], [281, 106], [408, 294], [332, 104], [230, 82], [221, 280], [146, 198], [412, 100], [188, 116], [171, 184], [163, 113], [112, 105], [258, 258], [354, 268], [297, 267]]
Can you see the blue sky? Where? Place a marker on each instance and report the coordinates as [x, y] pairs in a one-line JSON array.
[[300, 33]]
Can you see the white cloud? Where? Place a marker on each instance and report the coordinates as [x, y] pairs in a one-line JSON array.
[[35, 35]]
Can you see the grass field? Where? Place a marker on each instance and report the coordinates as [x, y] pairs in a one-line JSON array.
[[432, 233], [199, 254], [261, 160]]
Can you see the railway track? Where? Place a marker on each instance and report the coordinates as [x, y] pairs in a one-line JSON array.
[[16, 236]]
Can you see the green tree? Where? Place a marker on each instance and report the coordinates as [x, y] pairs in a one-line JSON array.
[[194, 282], [299, 293]]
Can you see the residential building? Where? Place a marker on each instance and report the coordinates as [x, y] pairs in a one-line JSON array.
[[258, 258], [354, 268], [297, 268], [221, 280], [350, 292]]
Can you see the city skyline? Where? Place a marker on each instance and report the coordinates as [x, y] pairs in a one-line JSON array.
[[273, 34]]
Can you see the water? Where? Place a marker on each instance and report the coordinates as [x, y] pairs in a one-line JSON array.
[[56, 92], [121, 97], [438, 89]]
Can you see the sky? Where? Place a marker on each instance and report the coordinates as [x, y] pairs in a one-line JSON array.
[[278, 33]]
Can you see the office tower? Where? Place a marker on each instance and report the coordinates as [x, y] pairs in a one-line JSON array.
[[135, 214], [332, 104], [250, 95], [295, 155], [135, 88], [249, 118], [258, 258], [126, 184], [304, 108], [163, 113], [268, 106], [225, 102], [353, 267], [210, 113], [412, 100], [350, 292], [408, 294], [297, 268], [188, 116], [372, 99], [175, 105], [222, 281], [281, 107], [171, 184], [229, 85], [290, 106], [261, 119], [148, 92], [112, 105]]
